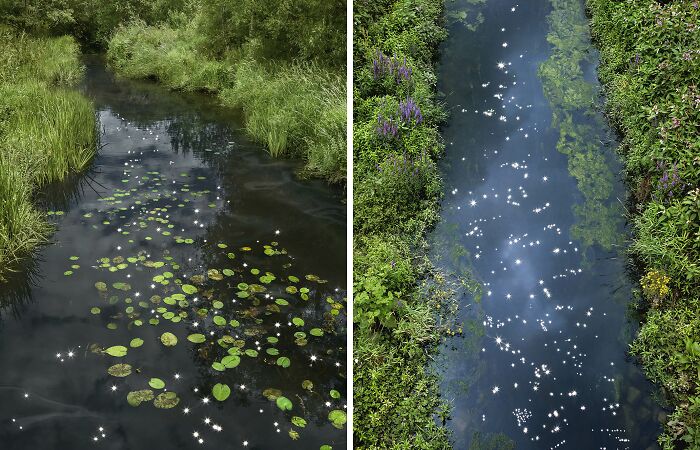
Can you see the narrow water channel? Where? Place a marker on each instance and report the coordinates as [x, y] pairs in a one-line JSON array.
[[182, 227], [533, 211]]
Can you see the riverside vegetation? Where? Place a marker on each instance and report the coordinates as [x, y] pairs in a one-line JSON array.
[[282, 64], [281, 61], [47, 133], [396, 200], [650, 67]]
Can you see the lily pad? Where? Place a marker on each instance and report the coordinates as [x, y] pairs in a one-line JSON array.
[[168, 339], [221, 391], [136, 342], [316, 332], [196, 338], [272, 394], [120, 370], [337, 418], [231, 361], [284, 403], [335, 394], [166, 400], [283, 361], [117, 351], [135, 398], [156, 383], [298, 421], [189, 289]]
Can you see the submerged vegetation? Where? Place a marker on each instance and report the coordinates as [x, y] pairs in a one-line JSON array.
[[47, 132], [396, 200], [651, 71]]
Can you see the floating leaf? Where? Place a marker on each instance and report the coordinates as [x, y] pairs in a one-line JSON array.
[[252, 353], [101, 286], [135, 398], [117, 351], [121, 286], [168, 339], [337, 418], [228, 272], [284, 403], [316, 332], [231, 361], [216, 365], [120, 370], [188, 289], [298, 421], [221, 391], [272, 394], [220, 321], [218, 304], [95, 310], [156, 383], [298, 321], [307, 384], [196, 338], [166, 400], [283, 361], [136, 342], [335, 394]]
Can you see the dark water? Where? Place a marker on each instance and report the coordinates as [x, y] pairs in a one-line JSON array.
[[175, 190], [534, 209]]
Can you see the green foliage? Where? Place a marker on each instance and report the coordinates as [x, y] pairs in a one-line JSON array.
[[90, 21], [283, 29], [47, 133], [397, 189], [651, 70], [296, 109]]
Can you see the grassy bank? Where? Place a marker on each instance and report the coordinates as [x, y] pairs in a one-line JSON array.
[[396, 200], [47, 132], [294, 107], [651, 71]]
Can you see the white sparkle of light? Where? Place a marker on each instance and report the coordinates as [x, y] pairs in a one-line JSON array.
[[495, 389]]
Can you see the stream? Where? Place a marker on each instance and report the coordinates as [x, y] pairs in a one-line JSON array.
[[185, 259], [534, 220]]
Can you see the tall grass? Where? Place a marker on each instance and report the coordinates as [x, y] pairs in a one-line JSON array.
[[295, 109], [47, 132]]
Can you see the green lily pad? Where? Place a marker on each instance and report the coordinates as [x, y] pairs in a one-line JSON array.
[[337, 418], [298, 321], [220, 321], [308, 385], [196, 338], [166, 400], [316, 332], [117, 351], [135, 398], [188, 289], [156, 383], [283, 361], [298, 421], [284, 403], [231, 361], [335, 394], [136, 342], [221, 391], [120, 370], [168, 339]]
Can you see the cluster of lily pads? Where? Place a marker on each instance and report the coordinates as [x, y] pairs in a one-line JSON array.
[[228, 313]]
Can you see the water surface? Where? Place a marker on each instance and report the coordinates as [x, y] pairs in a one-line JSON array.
[[183, 226], [534, 211]]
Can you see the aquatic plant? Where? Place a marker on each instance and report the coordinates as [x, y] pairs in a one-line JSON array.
[[392, 66]]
